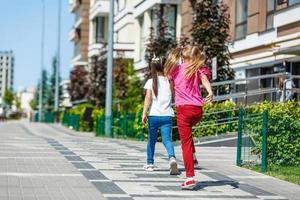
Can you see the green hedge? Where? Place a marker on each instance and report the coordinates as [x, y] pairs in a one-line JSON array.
[[79, 110], [283, 132]]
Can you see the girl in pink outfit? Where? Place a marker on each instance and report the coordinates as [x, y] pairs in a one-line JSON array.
[[186, 78]]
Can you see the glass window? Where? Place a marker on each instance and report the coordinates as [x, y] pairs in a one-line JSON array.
[[142, 38], [99, 29], [270, 13], [169, 12], [241, 19], [292, 2]]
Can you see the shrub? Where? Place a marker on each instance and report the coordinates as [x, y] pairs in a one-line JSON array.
[[283, 132]]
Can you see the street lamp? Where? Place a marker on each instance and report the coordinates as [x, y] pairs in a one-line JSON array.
[[56, 102], [42, 62], [108, 101]]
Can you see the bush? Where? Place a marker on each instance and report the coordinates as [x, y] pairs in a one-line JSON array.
[[283, 132], [79, 110]]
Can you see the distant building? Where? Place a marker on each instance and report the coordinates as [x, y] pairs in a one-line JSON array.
[[79, 33], [26, 96], [65, 96], [7, 62]]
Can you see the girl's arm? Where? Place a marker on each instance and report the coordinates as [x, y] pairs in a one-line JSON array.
[[147, 103], [207, 86], [172, 90]]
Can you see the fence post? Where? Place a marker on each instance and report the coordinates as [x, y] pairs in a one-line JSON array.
[[229, 127], [264, 141], [240, 137], [125, 122]]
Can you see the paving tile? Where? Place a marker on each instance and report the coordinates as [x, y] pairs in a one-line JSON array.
[[108, 188]]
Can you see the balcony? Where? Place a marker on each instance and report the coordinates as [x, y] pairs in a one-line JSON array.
[[78, 18], [142, 6], [94, 49], [73, 5], [100, 7], [287, 16]]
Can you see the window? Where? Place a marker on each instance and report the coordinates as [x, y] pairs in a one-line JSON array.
[[241, 19], [142, 38], [271, 7], [99, 25], [169, 12], [292, 2]]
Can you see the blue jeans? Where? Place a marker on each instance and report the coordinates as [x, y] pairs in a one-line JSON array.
[[165, 125]]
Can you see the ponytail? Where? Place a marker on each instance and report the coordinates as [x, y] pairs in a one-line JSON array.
[[154, 79]]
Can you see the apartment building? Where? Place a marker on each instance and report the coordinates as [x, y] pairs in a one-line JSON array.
[[124, 32], [132, 22], [7, 62], [79, 33], [98, 23], [265, 41], [144, 18]]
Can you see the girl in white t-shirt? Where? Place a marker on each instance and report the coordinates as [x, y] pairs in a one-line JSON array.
[[159, 98]]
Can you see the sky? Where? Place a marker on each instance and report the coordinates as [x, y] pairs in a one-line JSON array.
[[20, 31]]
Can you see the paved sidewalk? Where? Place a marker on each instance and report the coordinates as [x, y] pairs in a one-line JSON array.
[[39, 161]]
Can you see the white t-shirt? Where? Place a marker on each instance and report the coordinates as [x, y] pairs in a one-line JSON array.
[[161, 105]]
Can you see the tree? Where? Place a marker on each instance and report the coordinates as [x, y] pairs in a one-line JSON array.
[[160, 41], [134, 90], [210, 31], [8, 98], [17, 101], [46, 93], [97, 78], [120, 77], [79, 85], [127, 86]]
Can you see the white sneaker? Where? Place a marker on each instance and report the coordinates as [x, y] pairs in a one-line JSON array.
[[149, 168], [173, 166]]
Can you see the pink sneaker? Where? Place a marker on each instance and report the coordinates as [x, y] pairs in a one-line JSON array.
[[189, 184]]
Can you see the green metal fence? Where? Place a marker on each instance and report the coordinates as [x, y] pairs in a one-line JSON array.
[[252, 139], [71, 121], [49, 117], [128, 125], [218, 122]]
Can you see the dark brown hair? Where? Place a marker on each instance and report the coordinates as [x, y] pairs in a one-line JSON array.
[[157, 66]]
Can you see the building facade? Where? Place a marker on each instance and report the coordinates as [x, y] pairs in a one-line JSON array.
[[144, 18], [265, 43], [79, 33], [98, 23], [7, 62], [265, 37], [26, 96]]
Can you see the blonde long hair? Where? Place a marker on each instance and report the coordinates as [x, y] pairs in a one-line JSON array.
[[192, 53]]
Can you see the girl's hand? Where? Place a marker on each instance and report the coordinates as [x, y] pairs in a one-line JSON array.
[[144, 119], [209, 98]]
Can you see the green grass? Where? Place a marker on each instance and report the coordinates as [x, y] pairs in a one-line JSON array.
[[287, 173]]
